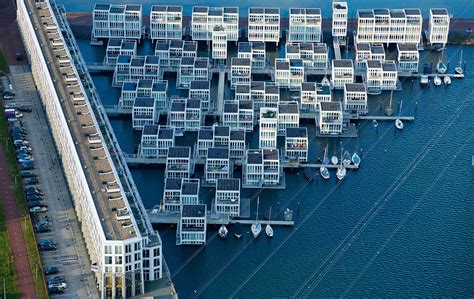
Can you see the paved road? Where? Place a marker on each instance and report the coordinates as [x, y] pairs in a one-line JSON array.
[[71, 256], [17, 242], [10, 39]]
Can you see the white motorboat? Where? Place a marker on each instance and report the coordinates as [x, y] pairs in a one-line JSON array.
[[437, 81], [334, 160], [256, 227], [441, 67], [356, 159], [447, 80], [399, 124], [424, 81], [459, 71], [223, 231], [268, 228], [324, 172]]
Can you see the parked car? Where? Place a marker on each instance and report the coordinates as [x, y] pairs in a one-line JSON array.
[[47, 247], [51, 270], [38, 203], [56, 279], [47, 241], [28, 174], [27, 167], [24, 109], [55, 290], [62, 285], [33, 190], [8, 95], [42, 227], [33, 197], [10, 105], [36, 210], [31, 181]]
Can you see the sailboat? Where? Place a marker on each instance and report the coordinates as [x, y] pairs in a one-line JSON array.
[[437, 81], [341, 170], [441, 66], [356, 159], [223, 231], [268, 228], [459, 71], [256, 227], [346, 159], [389, 110], [447, 80], [238, 230], [334, 159], [324, 170], [398, 121]]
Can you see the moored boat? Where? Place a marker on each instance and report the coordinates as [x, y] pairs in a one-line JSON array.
[[356, 159], [256, 227], [437, 81], [399, 124], [459, 71], [447, 80], [223, 231], [346, 159]]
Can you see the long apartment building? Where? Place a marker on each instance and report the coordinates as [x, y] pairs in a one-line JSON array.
[[305, 25], [123, 252], [117, 21], [264, 24], [166, 22], [204, 19], [387, 26]]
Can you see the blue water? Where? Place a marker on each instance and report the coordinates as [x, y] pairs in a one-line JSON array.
[[459, 8], [402, 225]]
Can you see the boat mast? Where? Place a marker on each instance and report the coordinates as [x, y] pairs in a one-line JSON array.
[[256, 214]]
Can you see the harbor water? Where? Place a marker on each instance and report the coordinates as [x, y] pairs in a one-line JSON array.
[[402, 225]]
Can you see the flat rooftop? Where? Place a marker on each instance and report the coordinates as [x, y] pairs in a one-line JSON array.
[[355, 87], [228, 185]]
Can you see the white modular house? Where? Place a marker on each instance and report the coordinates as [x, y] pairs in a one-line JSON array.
[[261, 168], [144, 88], [194, 115], [438, 27], [166, 139], [205, 141], [308, 100], [366, 52], [282, 72], [342, 72], [240, 71], [264, 24], [192, 226], [264, 94], [144, 112], [339, 20], [134, 68], [288, 116], [390, 75], [149, 142], [201, 69], [117, 47], [242, 92], [246, 115], [128, 95], [186, 73], [201, 90], [355, 99], [172, 195], [230, 115], [217, 165], [170, 52], [227, 199], [190, 191], [237, 143], [305, 25], [289, 73], [314, 55], [178, 162], [296, 144], [255, 51], [166, 22], [219, 44], [384, 26], [330, 118], [408, 58], [292, 51], [221, 136], [268, 127], [177, 113], [117, 21], [373, 75], [204, 19]]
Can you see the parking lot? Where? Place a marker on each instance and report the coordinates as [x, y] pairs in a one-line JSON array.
[[59, 224]]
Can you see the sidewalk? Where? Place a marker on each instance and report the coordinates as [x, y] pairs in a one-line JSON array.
[[17, 242]]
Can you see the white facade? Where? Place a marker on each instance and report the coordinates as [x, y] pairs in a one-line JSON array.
[[438, 27], [263, 94], [144, 88], [178, 162], [227, 199], [314, 55], [313, 93], [240, 71], [408, 58], [205, 141], [205, 19], [268, 127], [117, 21], [156, 140], [288, 116], [124, 258], [117, 47], [134, 68], [217, 165], [255, 51], [355, 99], [170, 52], [339, 19], [230, 115], [201, 90], [264, 24], [166, 22], [330, 118], [381, 76], [289, 73], [305, 25], [366, 52], [342, 73], [296, 144], [192, 226], [261, 168], [144, 112], [219, 43]]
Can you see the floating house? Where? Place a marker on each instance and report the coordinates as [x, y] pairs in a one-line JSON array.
[[219, 44], [192, 226], [134, 68], [117, 47], [246, 115], [227, 199], [170, 52], [438, 27], [255, 51], [330, 118], [240, 71], [342, 73], [185, 114], [144, 88], [264, 24], [262, 94], [408, 58], [117, 21], [172, 195], [355, 99], [178, 162], [230, 115], [205, 19], [296, 144], [313, 93], [237, 143], [192, 69], [261, 168], [149, 142], [268, 123], [144, 112], [305, 25], [381, 76], [190, 191], [288, 116], [205, 141], [366, 52], [289, 73], [221, 136], [238, 115], [217, 165], [201, 90], [339, 20], [314, 55], [166, 22]]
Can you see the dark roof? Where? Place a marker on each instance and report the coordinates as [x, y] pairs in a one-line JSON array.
[[114, 42], [165, 133], [389, 66], [176, 43], [365, 13], [270, 154], [145, 83], [292, 48], [187, 61], [201, 63], [190, 46], [256, 10], [231, 10], [244, 47], [439, 11], [173, 184], [297, 132], [374, 64], [200, 8], [133, 7], [355, 87], [330, 106], [254, 157], [240, 61], [128, 45], [282, 65], [217, 153], [152, 59], [258, 45], [221, 131], [237, 135], [193, 211], [178, 105], [246, 104], [288, 107], [179, 152], [116, 9], [363, 47], [137, 61], [323, 89], [377, 49], [271, 88], [167, 8], [320, 49], [397, 13], [206, 134], [257, 85], [193, 103], [407, 47], [215, 11], [228, 185], [412, 12], [150, 129], [342, 62], [381, 12], [296, 62], [101, 6], [242, 88], [305, 11], [190, 187], [129, 86], [200, 84], [147, 102], [308, 86], [162, 46], [231, 107], [160, 86], [124, 59]]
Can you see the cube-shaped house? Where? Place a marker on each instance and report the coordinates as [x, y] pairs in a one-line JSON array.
[[178, 162], [217, 164], [296, 144], [227, 200], [355, 99], [192, 226], [330, 118]]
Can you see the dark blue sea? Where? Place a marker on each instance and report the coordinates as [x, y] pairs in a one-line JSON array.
[[400, 226]]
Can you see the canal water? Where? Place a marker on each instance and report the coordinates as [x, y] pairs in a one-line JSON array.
[[402, 225]]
